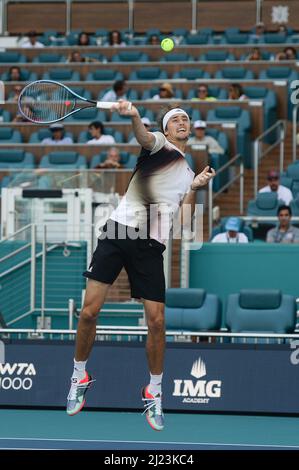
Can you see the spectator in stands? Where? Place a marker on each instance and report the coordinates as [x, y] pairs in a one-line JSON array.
[[255, 54], [112, 159], [200, 137], [202, 94], [283, 193], [32, 41], [165, 92], [236, 92], [83, 39], [57, 138], [289, 53], [147, 124], [76, 56], [282, 29], [260, 30], [14, 74], [117, 93], [284, 232], [96, 129], [154, 40], [15, 93], [232, 233], [114, 39]]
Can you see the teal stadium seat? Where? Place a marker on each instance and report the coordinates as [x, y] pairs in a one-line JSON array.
[[118, 136], [196, 39], [294, 205], [217, 56], [130, 56], [10, 136], [26, 76], [293, 173], [235, 38], [38, 136], [177, 57], [87, 114], [62, 75], [243, 119], [270, 107], [12, 57], [63, 160], [115, 117], [265, 204], [191, 74], [261, 311], [12, 158], [127, 160], [104, 75], [192, 310], [148, 73], [48, 58], [82, 92], [5, 115], [281, 73], [275, 38], [234, 73]]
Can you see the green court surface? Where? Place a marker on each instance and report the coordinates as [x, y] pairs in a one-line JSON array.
[[46, 429]]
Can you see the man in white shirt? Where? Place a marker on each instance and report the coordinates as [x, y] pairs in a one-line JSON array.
[[32, 42], [232, 234], [118, 92], [283, 193], [96, 129], [57, 138], [130, 239], [200, 137]]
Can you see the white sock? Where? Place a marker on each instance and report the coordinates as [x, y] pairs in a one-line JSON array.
[[155, 386], [79, 369]]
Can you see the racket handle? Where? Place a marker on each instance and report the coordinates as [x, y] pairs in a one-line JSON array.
[[109, 104]]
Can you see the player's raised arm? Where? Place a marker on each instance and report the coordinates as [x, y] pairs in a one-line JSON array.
[[144, 138]]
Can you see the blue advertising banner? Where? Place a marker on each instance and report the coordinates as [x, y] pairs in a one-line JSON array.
[[232, 378]]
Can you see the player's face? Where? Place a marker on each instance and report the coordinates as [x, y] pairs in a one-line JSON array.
[[178, 127]]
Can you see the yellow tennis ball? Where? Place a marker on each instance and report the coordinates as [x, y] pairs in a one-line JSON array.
[[167, 44]]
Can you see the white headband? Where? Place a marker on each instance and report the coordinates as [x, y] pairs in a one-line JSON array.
[[171, 113]]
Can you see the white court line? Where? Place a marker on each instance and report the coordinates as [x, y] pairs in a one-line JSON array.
[[148, 442]]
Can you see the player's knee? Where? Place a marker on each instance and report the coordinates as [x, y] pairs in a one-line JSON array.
[[89, 313], [156, 321]]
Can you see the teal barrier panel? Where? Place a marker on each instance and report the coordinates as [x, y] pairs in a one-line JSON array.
[[225, 269]]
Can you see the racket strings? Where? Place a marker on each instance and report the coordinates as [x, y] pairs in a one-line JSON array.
[[46, 102]]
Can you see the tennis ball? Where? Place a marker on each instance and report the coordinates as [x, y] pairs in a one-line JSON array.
[[167, 44]]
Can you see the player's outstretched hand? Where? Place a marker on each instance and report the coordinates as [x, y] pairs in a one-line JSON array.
[[203, 178], [125, 108]]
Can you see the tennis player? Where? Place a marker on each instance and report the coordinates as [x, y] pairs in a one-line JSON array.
[[161, 178]]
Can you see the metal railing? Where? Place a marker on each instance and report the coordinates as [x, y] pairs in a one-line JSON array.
[[294, 132], [258, 154], [239, 176]]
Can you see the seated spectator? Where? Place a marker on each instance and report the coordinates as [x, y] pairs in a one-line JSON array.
[[32, 41], [255, 54], [114, 39], [289, 53], [282, 29], [57, 138], [96, 129], [147, 125], [200, 137], [202, 94], [112, 159], [20, 117], [235, 92], [283, 193], [117, 93], [232, 234], [165, 92], [260, 30], [284, 232], [14, 74], [154, 40], [15, 93], [76, 56], [83, 39]]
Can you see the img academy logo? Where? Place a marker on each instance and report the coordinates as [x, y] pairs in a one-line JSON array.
[[199, 391], [17, 376]]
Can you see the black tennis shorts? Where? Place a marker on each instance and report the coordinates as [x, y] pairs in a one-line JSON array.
[[141, 257]]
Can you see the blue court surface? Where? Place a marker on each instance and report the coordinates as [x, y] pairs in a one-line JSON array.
[[94, 430]]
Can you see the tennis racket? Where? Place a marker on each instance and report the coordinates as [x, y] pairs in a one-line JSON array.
[[47, 101]]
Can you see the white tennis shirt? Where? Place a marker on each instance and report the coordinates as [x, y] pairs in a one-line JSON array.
[[157, 187]]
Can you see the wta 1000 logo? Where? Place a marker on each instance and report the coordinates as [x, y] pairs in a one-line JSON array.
[[199, 391], [17, 376]]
